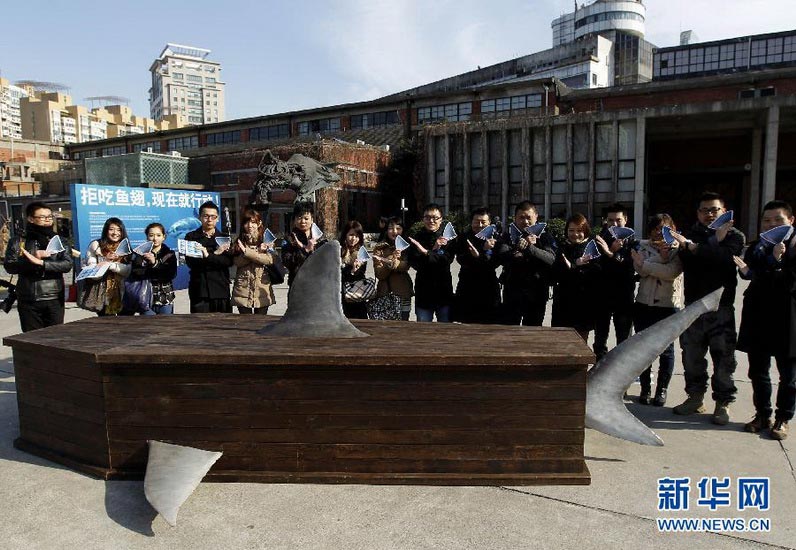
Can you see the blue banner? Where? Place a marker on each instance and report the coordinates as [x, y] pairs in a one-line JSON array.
[[137, 207]]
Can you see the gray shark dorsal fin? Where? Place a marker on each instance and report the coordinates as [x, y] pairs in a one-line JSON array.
[[314, 302], [608, 379]]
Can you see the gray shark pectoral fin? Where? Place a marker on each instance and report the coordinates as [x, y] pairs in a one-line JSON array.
[[172, 473], [314, 302], [609, 378]]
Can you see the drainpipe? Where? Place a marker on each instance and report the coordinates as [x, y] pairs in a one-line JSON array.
[[546, 103]]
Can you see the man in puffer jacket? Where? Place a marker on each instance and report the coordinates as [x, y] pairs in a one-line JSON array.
[[40, 289]]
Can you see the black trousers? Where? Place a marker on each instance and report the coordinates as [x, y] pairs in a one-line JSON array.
[[623, 322], [207, 305], [255, 310], [759, 368], [522, 307], [36, 315]]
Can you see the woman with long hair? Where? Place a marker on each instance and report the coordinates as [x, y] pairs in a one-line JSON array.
[[576, 277], [159, 267], [252, 291], [391, 267], [103, 252], [352, 237], [659, 296]]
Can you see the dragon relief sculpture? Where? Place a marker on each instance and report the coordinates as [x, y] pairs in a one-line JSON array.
[[300, 173]]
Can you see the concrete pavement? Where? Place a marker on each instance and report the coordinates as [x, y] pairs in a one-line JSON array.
[[48, 506]]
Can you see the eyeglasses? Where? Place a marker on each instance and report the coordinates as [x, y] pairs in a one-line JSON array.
[[713, 210], [432, 218], [50, 217], [209, 217]]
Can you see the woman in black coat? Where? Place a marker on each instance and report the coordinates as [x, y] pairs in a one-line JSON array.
[[576, 280]]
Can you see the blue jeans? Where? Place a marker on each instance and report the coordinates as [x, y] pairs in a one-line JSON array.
[[160, 310], [427, 315]]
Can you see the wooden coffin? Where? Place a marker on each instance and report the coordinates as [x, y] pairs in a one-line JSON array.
[[416, 403]]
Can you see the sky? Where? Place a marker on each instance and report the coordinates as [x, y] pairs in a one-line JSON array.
[[282, 56]]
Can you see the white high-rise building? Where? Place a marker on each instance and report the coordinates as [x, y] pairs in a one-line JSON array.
[[10, 115], [185, 82]]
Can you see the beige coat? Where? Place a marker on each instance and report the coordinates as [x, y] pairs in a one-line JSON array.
[[661, 281], [252, 287]]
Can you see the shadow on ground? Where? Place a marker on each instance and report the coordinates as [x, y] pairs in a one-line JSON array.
[[126, 504]]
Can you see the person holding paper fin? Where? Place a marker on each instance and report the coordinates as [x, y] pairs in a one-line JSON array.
[[40, 288], [660, 294], [477, 297], [103, 252], [431, 258], [208, 287], [527, 259], [159, 267], [391, 266], [575, 271], [302, 240], [252, 291], [617, 280], [768, 321], [708, 265], [352, 268]]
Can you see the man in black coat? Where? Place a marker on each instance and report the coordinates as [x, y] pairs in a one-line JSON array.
[[40, 289], [527, 262], [708, 264], [208, 287], [616, 282], [431, 259], [767, 323], [478, 291]]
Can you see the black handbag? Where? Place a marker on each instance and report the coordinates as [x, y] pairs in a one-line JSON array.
[[276, 271], [8, 303], [92, 295]]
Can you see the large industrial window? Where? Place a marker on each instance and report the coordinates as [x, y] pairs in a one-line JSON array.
[[220, 138], [277, 131], [452, 113]]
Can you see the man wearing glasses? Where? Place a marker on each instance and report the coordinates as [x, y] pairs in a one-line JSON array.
[[708, 265], [432, 260], [40, 289], [208, 287]]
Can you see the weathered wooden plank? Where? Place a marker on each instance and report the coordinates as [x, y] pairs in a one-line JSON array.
[[62, 408], [30, 387], [351, 435], [142, 408], [279, 389], [49, 359], [35, 377], [245, 373], [74, 450], [493, 422], [267, 451], [581, 477], [66, 428], [152, 340]]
